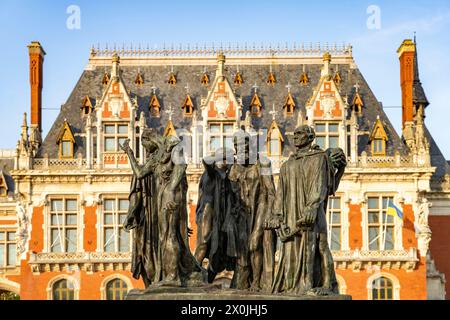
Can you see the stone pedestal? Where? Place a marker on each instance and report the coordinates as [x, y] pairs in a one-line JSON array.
[[215, 292]]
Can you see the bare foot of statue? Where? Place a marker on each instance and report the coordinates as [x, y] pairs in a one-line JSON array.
[[320, 291], [167, 283], [255, 287]]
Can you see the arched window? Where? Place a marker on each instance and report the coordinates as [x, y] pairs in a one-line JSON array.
[[116, 289], [63, 290], [382, 289]]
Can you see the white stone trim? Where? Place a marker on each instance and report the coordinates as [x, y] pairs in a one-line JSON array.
[[342, 284], [74, 281], [9, 285], [395, 284], [105, 281]]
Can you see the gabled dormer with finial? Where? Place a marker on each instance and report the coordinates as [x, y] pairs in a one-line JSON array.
[[378, 139], [221, 102], [238, 80], [116, 113], [304, 78], [172, 80], [337, 76], [326, 110], [154, 106], [139, 80], [357, 102], [274, 137], [115, 103], [188, 105], [326, 102], [66, 141], [255, 103], [86, 106], [289, 103], [204, 80], [170, 129], [271, 78]]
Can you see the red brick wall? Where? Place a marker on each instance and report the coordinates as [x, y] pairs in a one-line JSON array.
[[90, 229], [355, 230], [412, 284], [440, 246]]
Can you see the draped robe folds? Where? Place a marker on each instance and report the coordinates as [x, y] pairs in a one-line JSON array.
[[256, 194], [222, 241], [304, 184], [160, 246]]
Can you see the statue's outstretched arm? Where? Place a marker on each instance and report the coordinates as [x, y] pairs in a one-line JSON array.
[[138, 170]]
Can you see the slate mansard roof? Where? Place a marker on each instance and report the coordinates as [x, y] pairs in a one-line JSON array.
[[188, 74]]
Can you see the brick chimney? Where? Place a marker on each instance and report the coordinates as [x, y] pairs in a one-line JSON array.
[[36, 54], [406, 55]]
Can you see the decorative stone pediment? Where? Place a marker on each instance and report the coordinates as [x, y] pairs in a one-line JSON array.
[[326, 102]]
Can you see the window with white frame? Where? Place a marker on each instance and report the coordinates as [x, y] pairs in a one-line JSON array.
[[334, 221], [381, 226], [382, 289], [327, 134], [7, 248], [63, 224], [220, 136], [115, 238], [114, 134]]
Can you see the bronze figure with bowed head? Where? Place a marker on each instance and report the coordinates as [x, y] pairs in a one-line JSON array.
[[216, 215], [299, 216], [158, 213], [252, 178]]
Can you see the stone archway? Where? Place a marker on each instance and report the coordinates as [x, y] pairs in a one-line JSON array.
[[9, 290]]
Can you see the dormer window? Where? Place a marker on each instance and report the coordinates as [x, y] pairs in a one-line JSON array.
[[271, 79], [86, 106], [274, 141], [378, 139], [255, 105], [289, 105], [238, 81], [205, 79], [357, 103], [188, 106], [139, 81], [66, 142], [304, 79], [105, 79], [154, 106], [3, 185], [337, 78], [172, 79]]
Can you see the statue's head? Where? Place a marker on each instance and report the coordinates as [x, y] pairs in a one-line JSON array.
[[241, 142], [150, 139], [304, 136], [223, 157]]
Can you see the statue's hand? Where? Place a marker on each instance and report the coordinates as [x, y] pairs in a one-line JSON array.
[[310, 217], [125, 146], [337, 157], [272, 223], [171, 206]]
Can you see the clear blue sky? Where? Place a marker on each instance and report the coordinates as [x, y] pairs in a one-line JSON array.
[[157, 22]]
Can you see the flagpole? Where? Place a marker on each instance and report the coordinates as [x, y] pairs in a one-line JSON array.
[[385, 227], [63, 249]]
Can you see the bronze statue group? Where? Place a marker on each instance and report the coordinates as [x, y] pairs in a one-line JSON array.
[[241, 218]]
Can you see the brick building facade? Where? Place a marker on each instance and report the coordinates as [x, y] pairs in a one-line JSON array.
[[70, 189]]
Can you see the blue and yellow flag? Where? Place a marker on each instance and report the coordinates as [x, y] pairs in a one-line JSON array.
[[393, 210]]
